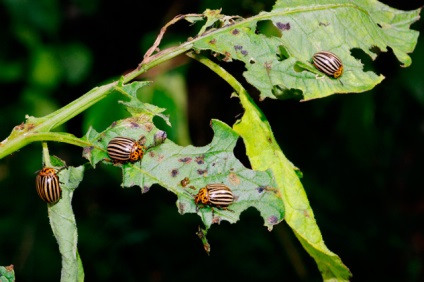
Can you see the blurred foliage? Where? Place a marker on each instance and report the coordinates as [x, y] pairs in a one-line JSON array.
[[361, 155]]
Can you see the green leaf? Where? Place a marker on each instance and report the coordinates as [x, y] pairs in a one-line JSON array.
[[62, 221], [265, 153], [168, 164], [135, 106], [7, 274], [280, 66]]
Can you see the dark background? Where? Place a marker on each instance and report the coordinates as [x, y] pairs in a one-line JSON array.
[[361, 156]]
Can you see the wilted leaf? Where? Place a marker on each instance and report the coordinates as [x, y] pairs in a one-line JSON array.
[[62, 221], [265, 153]]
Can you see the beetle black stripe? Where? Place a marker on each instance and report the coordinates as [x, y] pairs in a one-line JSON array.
[[119, 148], [220, 195], [47, 185], [327, 62]]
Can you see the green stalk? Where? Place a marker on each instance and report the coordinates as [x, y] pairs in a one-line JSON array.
[[46, 155], [36, 129], [264, 153]]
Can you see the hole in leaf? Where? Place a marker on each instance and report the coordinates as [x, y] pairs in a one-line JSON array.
[[385, 63], [283, 93], [268, 29], [364, 58], [282, 53], [240, 153], [373, 49]]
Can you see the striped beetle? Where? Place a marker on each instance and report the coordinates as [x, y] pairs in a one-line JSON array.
[[328, 63], [47, 184], [123, 149], [214, 195]]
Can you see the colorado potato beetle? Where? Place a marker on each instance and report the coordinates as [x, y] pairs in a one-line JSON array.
[[123, 149], [214, 195], [328, 63], [47, 184]]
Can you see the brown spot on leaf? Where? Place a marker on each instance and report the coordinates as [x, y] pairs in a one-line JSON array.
[[260, 189], [174, 172], [200, 159], [20, 127], [113, 124], [202, 172], [87, 150], [227, 57], [234, 179], [235, 31], [161, 158], [268, 66], [216, 219], [145, 189], [134, 125], [152, 154], [273, 219], [148, 126], [283, 26], [181, 207], [212, 41], [200, 233], [185, 160], [207, 247]]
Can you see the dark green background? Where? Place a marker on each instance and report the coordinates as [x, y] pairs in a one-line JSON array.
[[361, 156]]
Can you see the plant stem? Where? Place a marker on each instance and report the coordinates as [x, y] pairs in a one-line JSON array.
[[37, 126], [234, 83], [46, 155]]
